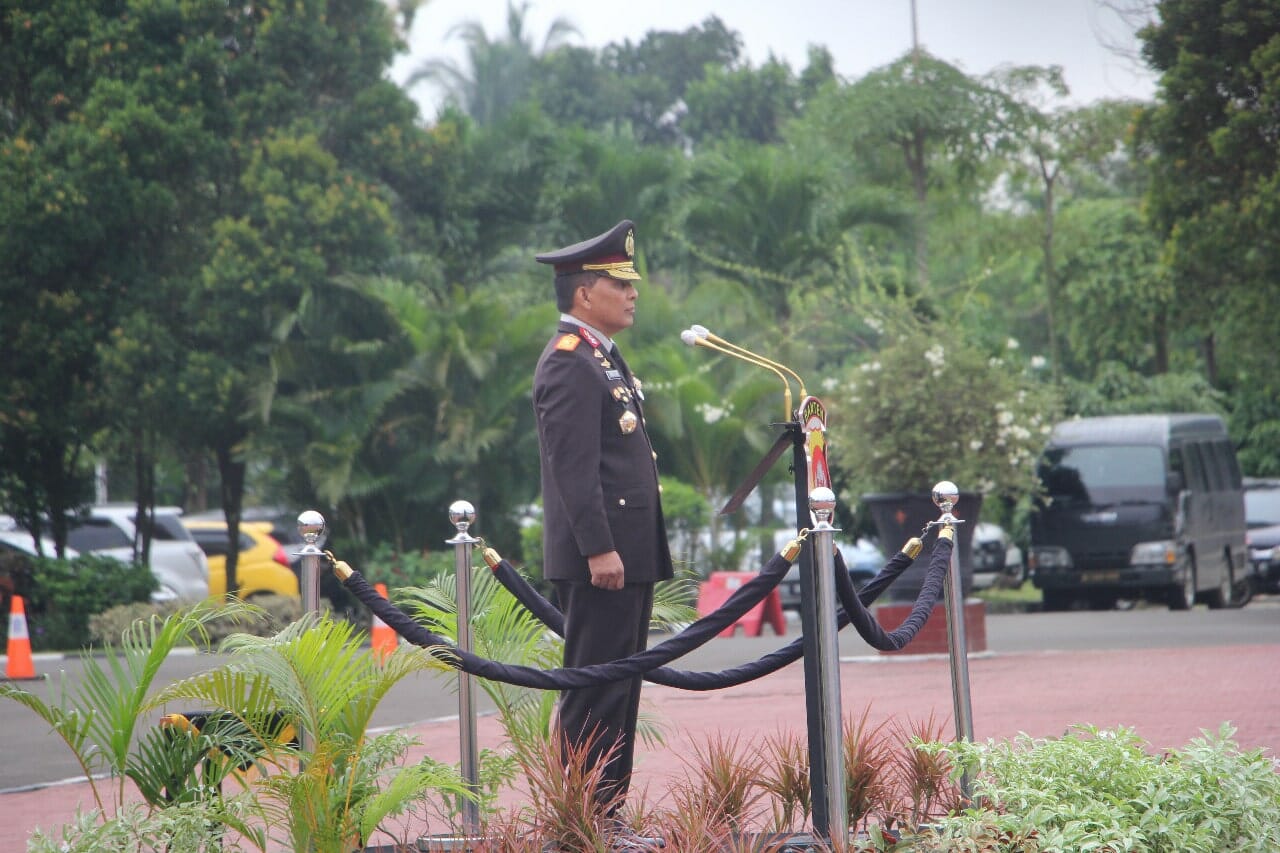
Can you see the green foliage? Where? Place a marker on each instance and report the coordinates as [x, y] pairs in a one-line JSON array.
[[270, 614], [320, 676], [407, 569], [1095, 787], [1117, 390], [930, 405], [106, 721], [65, 594], [134, 827]]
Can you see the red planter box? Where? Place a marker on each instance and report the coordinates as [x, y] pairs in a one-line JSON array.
[[932, 638]]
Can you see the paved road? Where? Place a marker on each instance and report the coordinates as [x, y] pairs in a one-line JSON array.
[[32, 756]]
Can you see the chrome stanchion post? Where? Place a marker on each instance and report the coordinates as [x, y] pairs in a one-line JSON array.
[[822, 503], [462, 514], [311, 528], [945, 495]]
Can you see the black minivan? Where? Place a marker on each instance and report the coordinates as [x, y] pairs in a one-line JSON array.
[[1140, 506]]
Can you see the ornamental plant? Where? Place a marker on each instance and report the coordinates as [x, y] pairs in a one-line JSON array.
[[930, 404]]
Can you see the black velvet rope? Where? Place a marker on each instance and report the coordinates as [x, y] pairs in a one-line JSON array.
[[871, 630], [569, 678], [546, 612]]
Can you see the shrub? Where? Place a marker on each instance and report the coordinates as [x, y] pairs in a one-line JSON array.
[[270, 613], [64, 595], [1102, 789]]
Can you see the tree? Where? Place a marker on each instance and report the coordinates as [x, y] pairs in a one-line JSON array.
[[927, 113], [1056, 143], [500, 71], [1213, 193], [659, 69], [99, 150]]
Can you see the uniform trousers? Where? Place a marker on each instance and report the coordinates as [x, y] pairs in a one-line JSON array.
[[602, 626]]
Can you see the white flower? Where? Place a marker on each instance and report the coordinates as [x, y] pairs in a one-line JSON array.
[[710, 414], [1038, 362], [975, 444], [830, 383], [1005, 417], [936, 356], [1012, 343], [875, 324]]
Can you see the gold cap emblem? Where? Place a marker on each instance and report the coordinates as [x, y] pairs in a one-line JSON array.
[[630, 245]]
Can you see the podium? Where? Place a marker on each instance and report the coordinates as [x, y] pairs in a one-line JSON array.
[[720, 585]]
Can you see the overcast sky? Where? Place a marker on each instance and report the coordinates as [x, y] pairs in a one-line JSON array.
[[976, 35]]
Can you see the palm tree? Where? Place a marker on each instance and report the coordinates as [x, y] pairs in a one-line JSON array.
[[498, 74]]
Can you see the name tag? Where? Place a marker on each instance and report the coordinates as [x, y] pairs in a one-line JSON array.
[[612, 374]]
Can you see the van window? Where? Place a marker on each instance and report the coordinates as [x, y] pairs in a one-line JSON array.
[[1102, 474], [1213, 470], [1197, 480], [1230, 466]]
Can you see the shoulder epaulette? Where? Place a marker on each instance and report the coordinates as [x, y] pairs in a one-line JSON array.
[[568, 343]]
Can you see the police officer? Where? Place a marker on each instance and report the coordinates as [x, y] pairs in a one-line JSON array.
[[604, 538]]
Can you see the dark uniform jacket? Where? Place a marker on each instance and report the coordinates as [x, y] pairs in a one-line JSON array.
[[599, 482]]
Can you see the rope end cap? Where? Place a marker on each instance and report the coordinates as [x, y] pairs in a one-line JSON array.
[[913, 547]]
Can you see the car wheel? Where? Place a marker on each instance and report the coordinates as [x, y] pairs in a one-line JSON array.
[[1223, 593], [1241, 593], [1182, 596]]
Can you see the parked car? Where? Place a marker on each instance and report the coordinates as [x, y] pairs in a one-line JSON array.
[[995, 555], [1140, 506], [262, 567], [1262, 517], [862, 559], [176, 560], [282, 525]]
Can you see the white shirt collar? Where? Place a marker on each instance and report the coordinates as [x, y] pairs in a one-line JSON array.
[[606, 342]]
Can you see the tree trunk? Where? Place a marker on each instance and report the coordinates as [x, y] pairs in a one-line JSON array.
[[231, 473], [144, 474], [1050, 178], [1211, 359], [918, 167]]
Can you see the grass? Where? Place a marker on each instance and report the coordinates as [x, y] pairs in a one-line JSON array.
[[1010, 600]]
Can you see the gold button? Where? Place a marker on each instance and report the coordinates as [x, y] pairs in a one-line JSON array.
[[655, 455], [622, 501]]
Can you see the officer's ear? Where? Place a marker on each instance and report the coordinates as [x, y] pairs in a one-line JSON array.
[[583, 292]]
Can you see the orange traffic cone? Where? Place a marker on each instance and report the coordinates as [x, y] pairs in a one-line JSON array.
[[20, 666], [382, 638]]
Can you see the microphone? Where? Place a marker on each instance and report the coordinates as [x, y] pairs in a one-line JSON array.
[[693, 339], [704, 332]]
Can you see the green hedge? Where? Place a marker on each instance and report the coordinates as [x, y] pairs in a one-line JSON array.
[[61, 596]]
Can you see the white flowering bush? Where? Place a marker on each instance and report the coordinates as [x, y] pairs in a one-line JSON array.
[[930, 406]]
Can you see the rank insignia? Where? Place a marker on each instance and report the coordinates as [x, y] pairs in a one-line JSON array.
[[619, 393], [628, 422], [568, 343]]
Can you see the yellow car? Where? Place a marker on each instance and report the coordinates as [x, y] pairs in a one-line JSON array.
[[262, 568]]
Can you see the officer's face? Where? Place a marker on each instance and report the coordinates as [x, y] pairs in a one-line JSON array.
[[609, 305]]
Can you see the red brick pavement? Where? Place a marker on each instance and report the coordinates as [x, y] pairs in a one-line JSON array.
[[1167, 695]]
